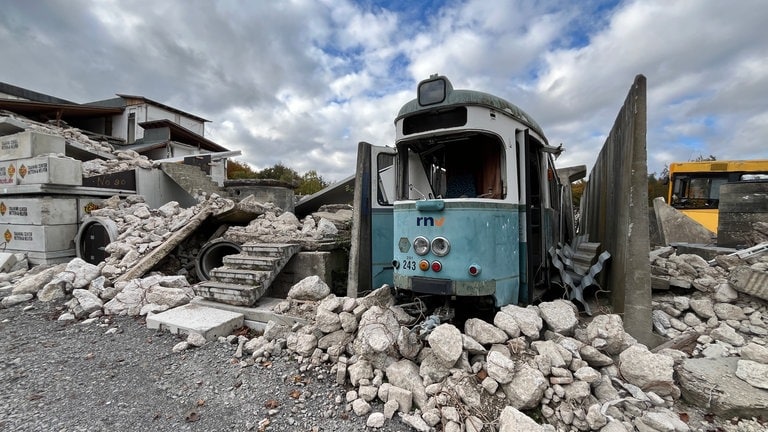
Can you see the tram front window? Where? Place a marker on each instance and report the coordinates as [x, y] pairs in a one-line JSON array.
[[467, 169]]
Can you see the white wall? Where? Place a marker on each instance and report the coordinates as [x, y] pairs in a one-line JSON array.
[[147, 112]]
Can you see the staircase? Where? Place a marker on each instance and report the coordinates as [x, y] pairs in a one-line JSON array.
[[245, 277]]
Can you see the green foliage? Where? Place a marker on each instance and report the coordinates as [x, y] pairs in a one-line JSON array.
[[280, 172], [577, 190], [239, 170], [310, 183], [657, 187], [306, 184], [702, 158]]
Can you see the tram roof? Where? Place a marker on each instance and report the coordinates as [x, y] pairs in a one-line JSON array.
[[471, 97]]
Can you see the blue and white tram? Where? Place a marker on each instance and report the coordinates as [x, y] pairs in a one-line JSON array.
[[477, 201]]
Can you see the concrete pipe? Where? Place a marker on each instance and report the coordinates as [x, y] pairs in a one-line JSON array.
[[92, 238], [212, 255]]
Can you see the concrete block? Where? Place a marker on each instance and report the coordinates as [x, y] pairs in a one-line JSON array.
[[30, 144], [10, 125], [209, 322], [234, 294], [38, 211], [38, 258], [50, 170], [7, 261], [747, 280], [260, 312], [85, 205], [675, 227], [39, 238], [42, 170], [331, 266]]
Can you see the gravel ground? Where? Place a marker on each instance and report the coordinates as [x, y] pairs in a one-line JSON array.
[[120, 376]]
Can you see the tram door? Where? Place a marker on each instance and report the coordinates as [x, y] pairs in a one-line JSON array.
[[371, 252], [534, 196]]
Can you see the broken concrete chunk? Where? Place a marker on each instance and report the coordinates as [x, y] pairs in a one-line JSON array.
[[446, 343], [484, 333], [309, 288], [754, 373], [560, 316], [648, 371]]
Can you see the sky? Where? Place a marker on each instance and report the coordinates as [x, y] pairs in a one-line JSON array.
[[301, 82]]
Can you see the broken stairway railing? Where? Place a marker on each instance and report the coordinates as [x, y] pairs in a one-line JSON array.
[[574, 263]]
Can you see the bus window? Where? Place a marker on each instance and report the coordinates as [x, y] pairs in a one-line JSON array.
[[697, 192]]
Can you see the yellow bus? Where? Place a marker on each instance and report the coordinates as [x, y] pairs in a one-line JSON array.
[[694, 187]]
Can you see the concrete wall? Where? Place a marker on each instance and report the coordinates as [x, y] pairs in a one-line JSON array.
[[615, 213], [158, 189], [147, 112], [741, 205], [280, 196], [331, 266]]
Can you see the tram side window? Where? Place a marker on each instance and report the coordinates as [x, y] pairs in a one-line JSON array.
[[385, 178]]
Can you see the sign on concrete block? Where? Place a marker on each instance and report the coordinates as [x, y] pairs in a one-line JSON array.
[[39, 238], [50, 170], [38, 211]]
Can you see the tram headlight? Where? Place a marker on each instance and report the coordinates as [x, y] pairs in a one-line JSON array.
[[421, 245], [441, 246]]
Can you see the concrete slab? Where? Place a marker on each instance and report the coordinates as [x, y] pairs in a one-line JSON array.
[[675, 227], [209, 322], [7, 261], [260, 312]]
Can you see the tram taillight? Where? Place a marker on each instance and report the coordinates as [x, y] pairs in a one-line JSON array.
[[436, 266], [474, 270]]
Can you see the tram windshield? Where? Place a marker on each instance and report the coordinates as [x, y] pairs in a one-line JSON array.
[[465, 166]]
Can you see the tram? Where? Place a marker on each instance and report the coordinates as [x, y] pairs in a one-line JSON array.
[[468, 202]]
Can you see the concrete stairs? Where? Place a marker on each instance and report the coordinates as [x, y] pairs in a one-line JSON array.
[[191, 178], [245, 277]]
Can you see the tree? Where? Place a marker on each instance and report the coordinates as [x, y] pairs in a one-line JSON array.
[[310, 183], [702, 158], [657, 187], [282, 173], [577, 190], [239, 170]]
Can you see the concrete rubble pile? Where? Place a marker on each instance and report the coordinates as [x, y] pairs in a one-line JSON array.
[[123, 160], [593, 377], [330, 223], [141, 229], [726, 314], [580, 377], [70, 134], [94, 290]]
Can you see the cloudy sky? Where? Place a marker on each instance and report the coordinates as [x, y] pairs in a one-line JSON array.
[[302, 81]]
